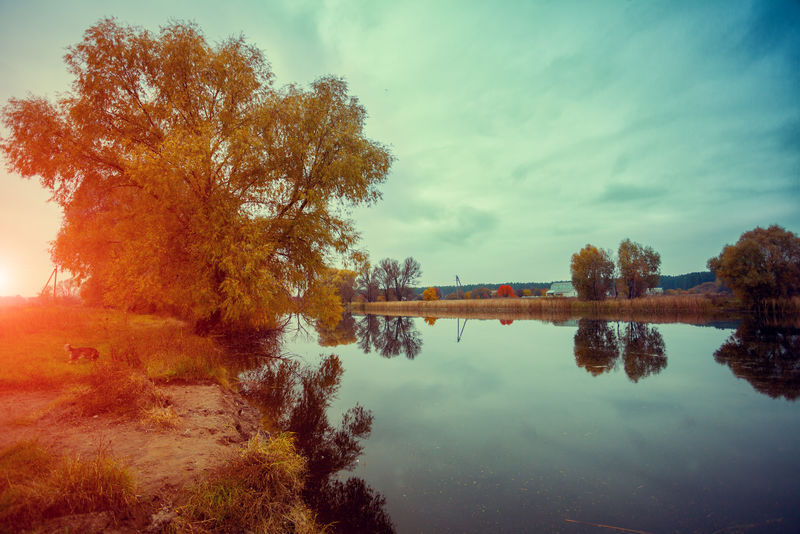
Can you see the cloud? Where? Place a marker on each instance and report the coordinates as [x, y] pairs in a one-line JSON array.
[[627, 193], [466, 225]]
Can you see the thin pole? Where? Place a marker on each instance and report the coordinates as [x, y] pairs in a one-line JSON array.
[[55, 281], [48, 280]]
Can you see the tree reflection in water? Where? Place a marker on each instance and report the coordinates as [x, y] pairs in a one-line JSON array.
[[343, 333], [295, 398], [766, 356], [598, 348], [595, 346], [389, 336], [642, 351]]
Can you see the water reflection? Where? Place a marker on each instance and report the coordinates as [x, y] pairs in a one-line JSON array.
[[595, 346], [598, 348], [643, 351], [343, 333], [295, 398], [389, 336], [766, 356]]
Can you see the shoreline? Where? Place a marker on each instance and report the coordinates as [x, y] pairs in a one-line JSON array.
[[693, 309]]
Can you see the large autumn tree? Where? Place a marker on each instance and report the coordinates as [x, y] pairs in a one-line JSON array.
[[592, 272], [190, 183], [639, 268], [763, 264]]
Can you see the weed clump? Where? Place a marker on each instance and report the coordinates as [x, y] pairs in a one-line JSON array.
[[36, 485], [168, 352], [258, 491], [114, 388]]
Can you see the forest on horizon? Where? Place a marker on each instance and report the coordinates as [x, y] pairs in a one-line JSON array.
[[681, 282]]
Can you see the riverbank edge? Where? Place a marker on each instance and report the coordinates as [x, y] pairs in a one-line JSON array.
[[650, 309], [180, 508]]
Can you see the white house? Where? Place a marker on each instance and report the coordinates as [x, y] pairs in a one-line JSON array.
[[561, 289]]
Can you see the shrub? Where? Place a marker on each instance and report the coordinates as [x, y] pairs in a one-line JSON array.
[[257, 491], [36, 485]]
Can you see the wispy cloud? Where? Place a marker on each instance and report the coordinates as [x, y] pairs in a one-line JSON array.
[[525, 130]]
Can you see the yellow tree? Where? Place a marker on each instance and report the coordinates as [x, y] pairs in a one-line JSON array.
[[639, 267], [189, 183], [763, 264], [430, 294], [592, 272]]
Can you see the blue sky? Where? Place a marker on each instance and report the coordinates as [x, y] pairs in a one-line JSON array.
[[522, 130]]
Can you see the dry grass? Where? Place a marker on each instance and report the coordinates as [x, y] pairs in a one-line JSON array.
[[161, 417], [114, 388], [684, 308], [258, 491], [36, 484]]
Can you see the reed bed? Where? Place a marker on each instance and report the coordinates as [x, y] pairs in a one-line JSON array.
[[683, 308]]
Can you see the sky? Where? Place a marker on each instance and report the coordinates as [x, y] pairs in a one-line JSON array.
[[522, 130]]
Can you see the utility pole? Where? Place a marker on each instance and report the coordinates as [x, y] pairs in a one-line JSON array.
[[459, 328], [53, 274]]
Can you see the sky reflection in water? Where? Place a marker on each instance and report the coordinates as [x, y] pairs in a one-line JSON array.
[[520, 426]]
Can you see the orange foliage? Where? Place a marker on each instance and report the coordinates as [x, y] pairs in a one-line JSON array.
[[505, 291]]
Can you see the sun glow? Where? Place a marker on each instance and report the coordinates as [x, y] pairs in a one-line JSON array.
[[5, 282]]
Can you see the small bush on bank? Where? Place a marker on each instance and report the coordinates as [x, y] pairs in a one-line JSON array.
[[258, 491], [36, 485], [116, 389]]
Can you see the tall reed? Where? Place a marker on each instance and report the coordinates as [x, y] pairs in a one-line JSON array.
[[664, 308]]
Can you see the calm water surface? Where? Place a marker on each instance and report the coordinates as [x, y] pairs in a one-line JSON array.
[[541, 427]]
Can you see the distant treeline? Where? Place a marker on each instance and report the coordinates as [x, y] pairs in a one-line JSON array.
[[686, 281], [446, 290], [681, 281]]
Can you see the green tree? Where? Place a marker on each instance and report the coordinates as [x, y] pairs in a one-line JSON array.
[[639, 268], [189, 183], [763, 264], [592, 273]]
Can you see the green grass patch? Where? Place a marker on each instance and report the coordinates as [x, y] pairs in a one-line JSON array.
[[36, 484], [32, 340], [258, 491]]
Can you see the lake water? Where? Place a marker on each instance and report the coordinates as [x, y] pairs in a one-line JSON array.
[[537, 426]]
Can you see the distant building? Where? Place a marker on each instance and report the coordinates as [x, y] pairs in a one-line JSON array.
[[654, 291], [561, 289]]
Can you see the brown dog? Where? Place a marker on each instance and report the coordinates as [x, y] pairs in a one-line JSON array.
[[76, 353]]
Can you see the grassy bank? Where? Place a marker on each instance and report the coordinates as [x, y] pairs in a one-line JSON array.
[[32, 339], [682, 308], [257, 491]]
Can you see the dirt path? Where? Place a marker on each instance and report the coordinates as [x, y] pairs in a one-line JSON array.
[[211, 424]]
